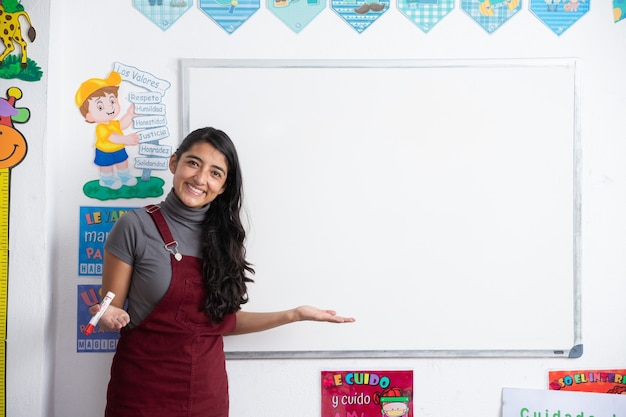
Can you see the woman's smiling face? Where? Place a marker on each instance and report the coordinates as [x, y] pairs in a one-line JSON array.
[[199, 174]]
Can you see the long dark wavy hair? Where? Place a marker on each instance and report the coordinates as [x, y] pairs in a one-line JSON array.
[[225, 269]]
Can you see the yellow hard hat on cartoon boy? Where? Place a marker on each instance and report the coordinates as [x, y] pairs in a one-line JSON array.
[[92, 85]]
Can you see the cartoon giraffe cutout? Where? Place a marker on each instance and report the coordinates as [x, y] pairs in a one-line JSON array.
[[11, 30], [13, 149]]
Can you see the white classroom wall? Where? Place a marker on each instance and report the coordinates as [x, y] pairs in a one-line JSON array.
[[45, 375]]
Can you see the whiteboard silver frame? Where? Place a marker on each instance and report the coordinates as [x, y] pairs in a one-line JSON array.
[[574, 351]]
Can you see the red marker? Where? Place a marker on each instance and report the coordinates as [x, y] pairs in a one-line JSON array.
[[96, 318]]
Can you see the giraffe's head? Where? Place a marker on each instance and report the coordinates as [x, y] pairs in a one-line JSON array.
[[13, 145]]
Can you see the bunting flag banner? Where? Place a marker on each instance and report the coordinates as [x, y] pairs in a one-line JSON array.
[[229, 14], [491, 14], [619, 10], [360, 14], [163, 13], [559, 15], [296, 14], [425, 13]]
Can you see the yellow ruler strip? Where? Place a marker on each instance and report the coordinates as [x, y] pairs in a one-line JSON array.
[[3, 347], [4, 208], [4, 281], [5, 175]]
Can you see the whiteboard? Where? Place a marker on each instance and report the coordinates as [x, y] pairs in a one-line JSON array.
[[438, 202]]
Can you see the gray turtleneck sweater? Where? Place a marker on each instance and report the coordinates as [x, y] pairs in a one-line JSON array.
[[135, 240]]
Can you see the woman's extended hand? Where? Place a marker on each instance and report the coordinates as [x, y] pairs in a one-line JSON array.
[[250, 322], [114, 318], [316, 314]]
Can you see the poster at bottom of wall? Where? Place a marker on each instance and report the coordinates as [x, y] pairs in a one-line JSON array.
[[519, 402], [607, 381], [367, 393]]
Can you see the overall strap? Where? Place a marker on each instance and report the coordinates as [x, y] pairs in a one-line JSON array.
[[171, 245]]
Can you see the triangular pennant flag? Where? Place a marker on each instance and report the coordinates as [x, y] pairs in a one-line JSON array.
[[229, 14], [296, 14], [491, 14], [559, 15], [425, 13], [163, 13], [360, 14]]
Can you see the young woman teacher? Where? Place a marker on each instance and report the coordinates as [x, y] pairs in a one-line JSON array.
[[181, 267]]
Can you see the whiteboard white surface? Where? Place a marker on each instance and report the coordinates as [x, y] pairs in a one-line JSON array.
[[431, 200]]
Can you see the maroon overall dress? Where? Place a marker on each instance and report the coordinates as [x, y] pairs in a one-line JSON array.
[[172, 363]]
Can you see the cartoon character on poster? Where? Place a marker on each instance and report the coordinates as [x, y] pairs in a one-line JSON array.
[[141, 125], [12, 38], [367, 393], [393, 402], [99, 104]]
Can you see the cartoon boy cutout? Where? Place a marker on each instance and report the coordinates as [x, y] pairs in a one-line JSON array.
[[98, 103]]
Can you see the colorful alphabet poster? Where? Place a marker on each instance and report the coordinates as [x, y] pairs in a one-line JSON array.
[[95, 223], [559, 15], [425, 13], [608, 381], [491, 14], [367, 393], [99, 340]]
